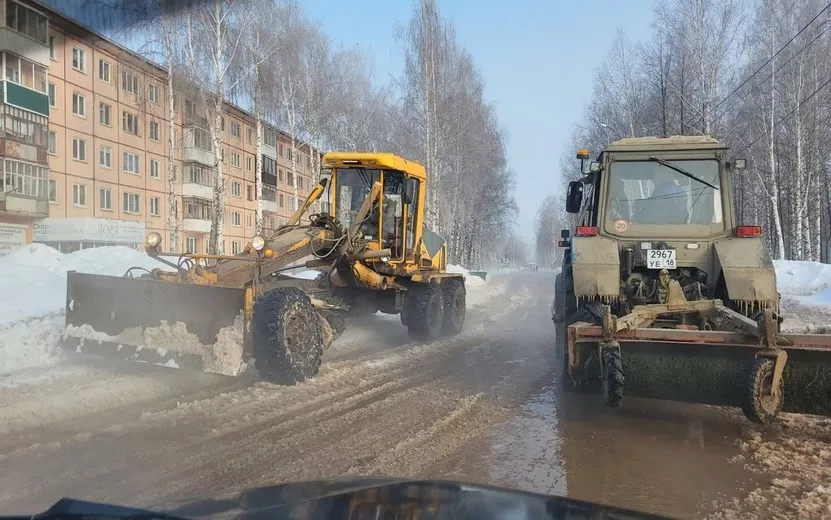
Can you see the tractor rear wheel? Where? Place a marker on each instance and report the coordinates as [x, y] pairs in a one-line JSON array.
[[425, 312], [453, 293], [286, 336], [759, 405]]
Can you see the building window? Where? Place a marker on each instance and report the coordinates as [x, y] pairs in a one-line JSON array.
[[129, 123], [129, 82], [154, 168], [222, 154], [249, 163], [235, 132], [130, 162], [249, 220], [236, 160], [222, 123], [236, 189], [197, 209], [236, 218], [79, 149], [79, 105], [299, 182], [24, 126], [105, 114], [190, 108], [105, 199], [154, 130], [26, 21], [201, 139], [154, 206], [104, 70], [52, 53], [269, 193], [270, 137], [249, 135], [53, 143], [282, 201], [249, 192], [24, 178], [269, 165], [79, 195], [289, 178], [53, 191], [199, 175], [106, 157], [280, 175], [281, 149], [289, 154], [191, 245], [79, 60], [132, 203], [53, 94], [153, 94]]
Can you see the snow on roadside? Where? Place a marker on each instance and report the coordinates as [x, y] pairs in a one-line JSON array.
[[33, 281]]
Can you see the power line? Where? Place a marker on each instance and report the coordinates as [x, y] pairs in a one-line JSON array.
[[781, 65], [789, 114], [772, 57]]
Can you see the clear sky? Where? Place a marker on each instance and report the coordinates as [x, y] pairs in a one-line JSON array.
[[536, 57]]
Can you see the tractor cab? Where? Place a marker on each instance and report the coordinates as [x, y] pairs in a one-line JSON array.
[[655, 188], [394, 219]]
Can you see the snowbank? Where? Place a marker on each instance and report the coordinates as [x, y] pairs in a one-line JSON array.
[[33, 278], [470, 281], [33, 289], [797, 278]]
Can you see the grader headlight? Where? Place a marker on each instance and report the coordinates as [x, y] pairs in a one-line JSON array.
[[154, 239], [258, 242]]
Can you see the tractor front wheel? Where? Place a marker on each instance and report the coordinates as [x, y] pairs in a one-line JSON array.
[[760, 405], [612, 377], [424, 312], [287, 337]]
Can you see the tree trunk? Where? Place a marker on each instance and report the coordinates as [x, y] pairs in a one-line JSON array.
[[172, 199]]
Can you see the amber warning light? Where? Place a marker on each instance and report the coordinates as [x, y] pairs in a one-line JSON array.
[[748, 231]]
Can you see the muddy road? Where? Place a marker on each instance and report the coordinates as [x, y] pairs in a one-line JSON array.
[[482, 407]]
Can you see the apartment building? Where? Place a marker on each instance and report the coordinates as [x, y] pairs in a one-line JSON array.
[[85, 146]]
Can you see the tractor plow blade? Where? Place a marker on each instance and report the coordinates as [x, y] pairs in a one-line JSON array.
[[709, 367], [159, 322]]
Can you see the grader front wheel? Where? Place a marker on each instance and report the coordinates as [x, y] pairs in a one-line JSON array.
[[287, 337], [761, 404]]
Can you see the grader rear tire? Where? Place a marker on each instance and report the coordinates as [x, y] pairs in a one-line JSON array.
[[759, 405], [425, 312], [453, 293], [287, 337]]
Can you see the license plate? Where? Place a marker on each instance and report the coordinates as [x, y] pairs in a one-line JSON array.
[[660, 259]]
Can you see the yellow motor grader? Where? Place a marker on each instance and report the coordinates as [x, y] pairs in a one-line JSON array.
[[215, 313]]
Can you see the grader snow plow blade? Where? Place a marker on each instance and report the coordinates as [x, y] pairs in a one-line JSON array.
[[723, 368], [172, 324]]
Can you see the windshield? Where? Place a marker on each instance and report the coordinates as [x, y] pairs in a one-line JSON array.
[[353, 185], [651, 193]]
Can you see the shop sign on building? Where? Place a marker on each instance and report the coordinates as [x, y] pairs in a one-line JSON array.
[[88, 229], [12, 236]]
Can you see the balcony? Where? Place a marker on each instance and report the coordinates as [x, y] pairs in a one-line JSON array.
[[197, 143], [270, 205], [17, 204], [26, 98], [193, 189], [196, 225], [31, 49]]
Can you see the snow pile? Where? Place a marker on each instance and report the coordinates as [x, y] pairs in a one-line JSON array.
[[803, 278], [33, 281], [470, 280], [797, 454]]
